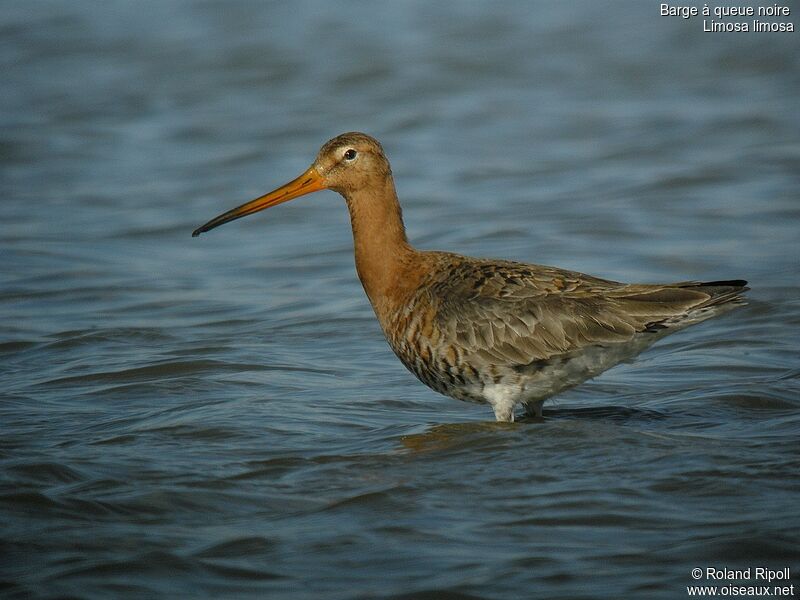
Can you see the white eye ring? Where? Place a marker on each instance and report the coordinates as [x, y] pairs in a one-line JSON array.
[[350, 154]]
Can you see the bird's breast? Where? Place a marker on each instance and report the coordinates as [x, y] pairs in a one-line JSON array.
[[426, 345]]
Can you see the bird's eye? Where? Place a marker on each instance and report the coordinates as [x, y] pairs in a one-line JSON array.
[[350, 154]]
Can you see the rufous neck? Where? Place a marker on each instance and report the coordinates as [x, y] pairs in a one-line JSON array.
[[379, 238]]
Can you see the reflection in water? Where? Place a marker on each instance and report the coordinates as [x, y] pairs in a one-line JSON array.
[[453, 435]]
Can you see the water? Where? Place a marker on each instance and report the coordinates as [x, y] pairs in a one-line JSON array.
[[220, 417]]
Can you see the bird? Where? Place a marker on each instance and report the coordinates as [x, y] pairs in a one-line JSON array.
[[497, 332]]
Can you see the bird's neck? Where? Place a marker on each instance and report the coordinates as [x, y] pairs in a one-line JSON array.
[[382, 252]]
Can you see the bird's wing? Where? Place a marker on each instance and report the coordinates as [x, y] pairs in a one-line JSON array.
[[516, 314]]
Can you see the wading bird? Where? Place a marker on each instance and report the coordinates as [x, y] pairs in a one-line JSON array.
[[491, 331]]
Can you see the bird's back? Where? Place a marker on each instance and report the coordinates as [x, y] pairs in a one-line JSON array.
[[475, 327]]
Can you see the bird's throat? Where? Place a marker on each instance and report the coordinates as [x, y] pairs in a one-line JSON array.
[[381, 248]]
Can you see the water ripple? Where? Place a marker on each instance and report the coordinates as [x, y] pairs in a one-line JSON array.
[[221, 418]]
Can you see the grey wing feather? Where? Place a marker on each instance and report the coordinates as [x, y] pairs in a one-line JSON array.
[[516, 314]]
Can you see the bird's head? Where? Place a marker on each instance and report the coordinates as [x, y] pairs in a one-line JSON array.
[[346, 164]]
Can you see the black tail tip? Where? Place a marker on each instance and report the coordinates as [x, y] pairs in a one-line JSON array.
[[731, 283]]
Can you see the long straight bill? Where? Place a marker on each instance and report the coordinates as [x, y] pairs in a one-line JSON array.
[[308, 182]]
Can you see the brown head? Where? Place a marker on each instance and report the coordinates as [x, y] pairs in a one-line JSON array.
[[347, 164]]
